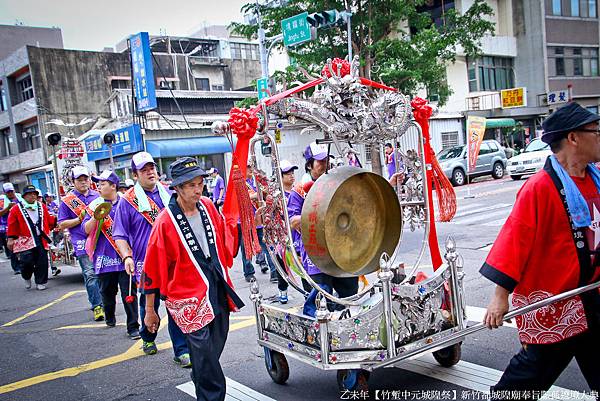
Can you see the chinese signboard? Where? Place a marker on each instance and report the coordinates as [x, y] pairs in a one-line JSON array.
[[127, 140], [515, 97], [295, 30], [143, 74], [262, 87], [558, 97], [475, 132]]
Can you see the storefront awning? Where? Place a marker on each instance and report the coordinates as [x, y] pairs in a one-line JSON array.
[[188, 146], [499, 122]]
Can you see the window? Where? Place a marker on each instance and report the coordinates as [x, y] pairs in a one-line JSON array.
[[202, 84], [5, 143], [24, 88], [493, 146], [30, 138], [120, 84], [485, 149], [217, 87], [166, 85], [592, 8], [556, 7], [574, 8], [449, 139], [244, 51], [491, 74], [3, 102], [593, 109], [574, 61]]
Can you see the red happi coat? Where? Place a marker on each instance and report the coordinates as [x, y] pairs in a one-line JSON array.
[[169, 269], [535, 257], [20, 230]]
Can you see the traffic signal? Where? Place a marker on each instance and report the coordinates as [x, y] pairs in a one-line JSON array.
[[326, 19], [53, 138]]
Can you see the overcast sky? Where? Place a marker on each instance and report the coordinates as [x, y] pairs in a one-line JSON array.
[[93, 25]]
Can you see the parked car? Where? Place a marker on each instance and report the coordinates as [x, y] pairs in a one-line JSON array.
[[530, 161], [491, 160]]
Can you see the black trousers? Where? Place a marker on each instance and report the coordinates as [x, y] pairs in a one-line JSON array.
[[206, 346], [35, 264], [110, 283], [537, 366], [344, 286]]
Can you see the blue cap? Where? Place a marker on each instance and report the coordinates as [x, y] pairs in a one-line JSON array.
[[565, 120]]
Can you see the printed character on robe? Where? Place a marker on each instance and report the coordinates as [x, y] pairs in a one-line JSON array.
[[136, 214], [187, 263], [218, 184], [71, 212], [316, 163], [28, 237], [106, 259], [7, 201], [263, 258], [288, 179], [549, 245]]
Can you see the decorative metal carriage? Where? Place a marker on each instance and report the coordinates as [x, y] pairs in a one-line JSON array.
[[395, 317]]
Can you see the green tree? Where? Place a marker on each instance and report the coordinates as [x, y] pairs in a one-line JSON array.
[[397, 40]]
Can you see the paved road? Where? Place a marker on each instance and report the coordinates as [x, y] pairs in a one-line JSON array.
[[51, 348]]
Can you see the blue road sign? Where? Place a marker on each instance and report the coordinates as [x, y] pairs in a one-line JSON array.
[[143, 73], [127, 140]]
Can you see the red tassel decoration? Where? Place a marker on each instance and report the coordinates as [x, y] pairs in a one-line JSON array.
[[251, 244], [446, 196]]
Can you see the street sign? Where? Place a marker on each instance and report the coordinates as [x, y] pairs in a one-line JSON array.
[[143, 73], [558, 97], [127, 140], [295, 30], [262, 87], [515, 97]]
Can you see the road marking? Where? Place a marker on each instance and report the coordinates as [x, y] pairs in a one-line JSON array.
[[483, 209], [482, 217], [134, 351], [85, 326], [496, 223], [476, 314], [41, 308], [477, 377], [235, 391]]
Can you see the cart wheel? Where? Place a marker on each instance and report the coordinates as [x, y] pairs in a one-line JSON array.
[[448, 356], [353, 380], [277, 366]]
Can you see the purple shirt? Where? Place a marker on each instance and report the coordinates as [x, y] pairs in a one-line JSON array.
[[390, 162], [132, 227], [52, 208], [218, 189], [295, 203], [78, 235], [106, 258], [4, 219]]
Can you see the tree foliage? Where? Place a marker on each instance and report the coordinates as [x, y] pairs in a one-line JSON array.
[[397, 40]]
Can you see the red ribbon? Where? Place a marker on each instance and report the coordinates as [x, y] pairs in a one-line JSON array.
[[336, 64], [422, 112]]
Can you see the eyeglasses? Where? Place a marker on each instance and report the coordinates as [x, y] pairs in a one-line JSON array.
[[593, 130]]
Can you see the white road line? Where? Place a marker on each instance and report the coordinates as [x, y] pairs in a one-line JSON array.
[[461, 208], [485, 217], [477, 377], [483, 209], [496, 223], [235, 392]]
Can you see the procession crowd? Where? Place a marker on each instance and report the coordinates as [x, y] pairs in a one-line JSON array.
[[171, 244]]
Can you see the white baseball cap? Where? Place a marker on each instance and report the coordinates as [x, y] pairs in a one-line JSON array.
[[140, 159], [286, 166], [78, 171], [129, 182], [7, 187], [315, 151]]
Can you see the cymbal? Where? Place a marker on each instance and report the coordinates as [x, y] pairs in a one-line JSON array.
[[349, 218], [102, 210]]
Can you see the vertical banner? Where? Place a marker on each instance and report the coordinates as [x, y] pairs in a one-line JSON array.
[[475, 132], [143, 73]]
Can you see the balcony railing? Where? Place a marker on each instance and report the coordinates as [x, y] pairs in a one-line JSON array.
[[483, 101]]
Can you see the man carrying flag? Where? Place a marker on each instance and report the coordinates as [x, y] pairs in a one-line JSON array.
[[136, 214], [70, 215], [187, 262], [107, 262]]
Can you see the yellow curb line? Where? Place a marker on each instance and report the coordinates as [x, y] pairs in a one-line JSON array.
[[133, 352], [41, 308]]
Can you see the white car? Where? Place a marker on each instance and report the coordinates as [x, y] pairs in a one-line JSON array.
[[530, 161]]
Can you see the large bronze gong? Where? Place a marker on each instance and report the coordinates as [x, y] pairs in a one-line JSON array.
[[349, 218]]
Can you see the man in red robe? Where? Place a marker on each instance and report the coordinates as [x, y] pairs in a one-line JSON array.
[[187, 264], [28, 237], [549, 245]]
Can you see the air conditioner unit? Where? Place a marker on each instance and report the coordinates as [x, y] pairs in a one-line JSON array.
[[164, 85]]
